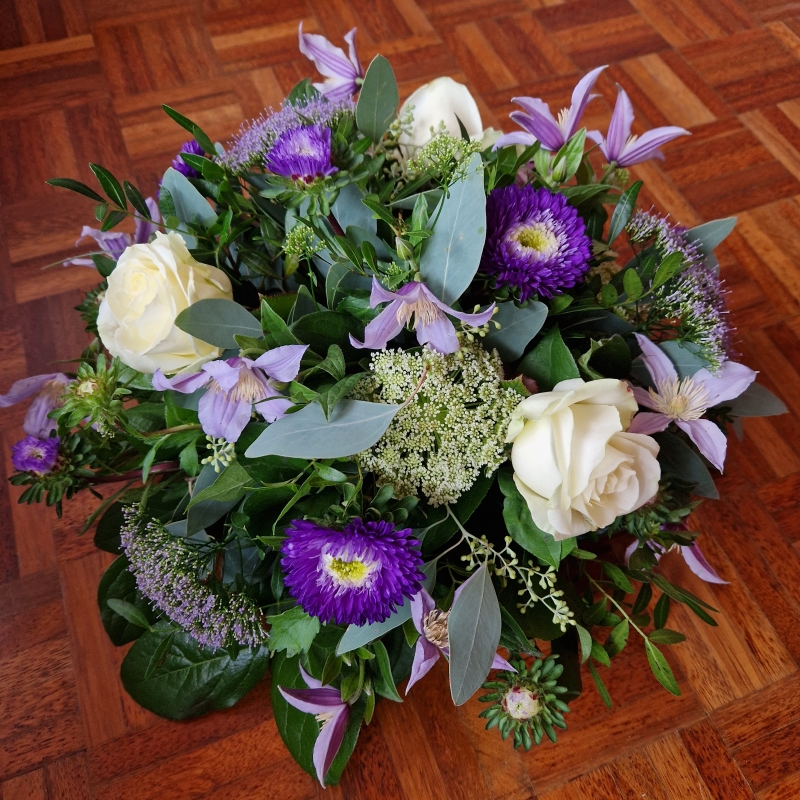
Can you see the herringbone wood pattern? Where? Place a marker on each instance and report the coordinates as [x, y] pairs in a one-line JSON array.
[[83, 80]]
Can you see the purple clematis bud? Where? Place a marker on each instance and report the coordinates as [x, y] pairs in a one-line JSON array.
[[431, 624], [114, 243], [236, 386], [624, 150], [685, 401], [692, 555], [343, 73], [539, 123], [326, 703], [48, 390], [430, 318]]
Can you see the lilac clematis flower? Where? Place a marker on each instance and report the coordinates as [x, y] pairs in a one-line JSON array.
[[237, 385], [692, 555], [624, 150], [431, 624], [114, 243], [326, 703], [430, 318], [685, 401], [343, 73], [48, 390], [539, 123]]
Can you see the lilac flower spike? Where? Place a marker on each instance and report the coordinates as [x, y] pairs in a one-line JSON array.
[[431, 624], [539, 123], [691, 554], [114, 243], [430, 318], [343, 72], [235, 386], [46, 391], [685, 401], [625, 150], [326, 703]]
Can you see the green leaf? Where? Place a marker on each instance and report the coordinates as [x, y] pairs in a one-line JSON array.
[[685, 597], [617, 639], [609, 295], [661, 668], [329, 398], [666, 636], [521, 527], [378, 99], [586, 643], [191, 208], [710, 234], [756, 401], [569, 157], [230, 486], [110, 184], [642, 599], [137, 201], [623, 210], [384, 682], [473, 628], [453, 253], [118, 584], [679, 459], [685, 357], [661, 611], [601, 687], [75, 186], [216, 321], [293, 631], [667, 269], [106, 535], [632, 284], [618, 577], [113, 219], [354, 426], [517, 328], [599, 654], [324, 328], [190, 679], [207, 512], [550, 362], [274, 326], [103, 264]]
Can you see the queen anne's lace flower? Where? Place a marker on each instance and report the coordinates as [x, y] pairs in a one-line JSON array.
[[453, 428]]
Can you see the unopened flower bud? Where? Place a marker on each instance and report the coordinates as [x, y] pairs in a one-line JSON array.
[[521, 703]]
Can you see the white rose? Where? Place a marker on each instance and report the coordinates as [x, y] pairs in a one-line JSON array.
[[149, 287], [574, 464], [439, 101]]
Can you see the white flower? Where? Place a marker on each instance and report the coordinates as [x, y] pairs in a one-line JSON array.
[[439, 101], [574, 464], [149, 287]]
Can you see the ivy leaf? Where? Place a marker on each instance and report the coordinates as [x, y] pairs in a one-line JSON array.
[[293, 631]]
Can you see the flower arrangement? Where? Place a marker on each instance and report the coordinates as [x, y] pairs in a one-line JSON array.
[[373, 387]]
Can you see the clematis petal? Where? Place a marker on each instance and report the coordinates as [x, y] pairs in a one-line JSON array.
[[350, 38], [580, 99], [111, 242], [643, 397], [222, 417], [421, 605], [329, 741], [144, 230], [710, 440], [274, 408], [440, 335], [25, 388], [500, 663], [727, 383], [336, 88], [656, 360], [426, 655], [282, 363], [647, 423], [518, 137], [225, 372], [330, 61], [314, 700], [538, 120], [184, 383], [310, 680], [619, 129], [697, 563], [380, 295], [380, 330], [646, 146]]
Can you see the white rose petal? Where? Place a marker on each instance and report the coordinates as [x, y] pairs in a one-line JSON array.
[[149, 287]]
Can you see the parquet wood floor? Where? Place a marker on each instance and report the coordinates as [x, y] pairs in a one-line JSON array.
[[82, 80]]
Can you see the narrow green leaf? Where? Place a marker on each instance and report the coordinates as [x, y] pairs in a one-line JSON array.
[[623, 210], [384, 683], [75, 186], [112, 220], [586, 643], [666, 636], [642, 599], [137, 201], [601, 687], [661, 668], [599, 654], [661, 611], [617, 639], [110, 184], [618, 577], [129, 612]]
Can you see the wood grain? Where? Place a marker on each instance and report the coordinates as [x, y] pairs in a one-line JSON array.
[[83, 80]]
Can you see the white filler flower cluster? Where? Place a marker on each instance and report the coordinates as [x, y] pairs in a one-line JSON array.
[[454, 426]]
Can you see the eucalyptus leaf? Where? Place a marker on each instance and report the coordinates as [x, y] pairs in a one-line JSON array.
[[473, 629], [354, 426], [207, 512], [453, 253], [349, 210], [756, 401], [685, 357], [191, 207], [678, 458], [517, 328], [216, 321], [378, 99], [709, 235], [230, 486]]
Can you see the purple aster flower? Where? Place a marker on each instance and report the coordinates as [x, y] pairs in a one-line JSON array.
[[431, 624], [624, 150], [539, 123], [48, 390], [326, 704], [114, 243], [35, 455], [302, 154], [343, 73], [192, 148], [237, 385], [685, 401], [535, 241], [255, 138], [430, 318], [355, 576]]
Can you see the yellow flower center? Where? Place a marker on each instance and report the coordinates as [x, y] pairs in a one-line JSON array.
[[537, 237], [351, 574], [680, 399], [86, 388], [435, 627], [248, 387]]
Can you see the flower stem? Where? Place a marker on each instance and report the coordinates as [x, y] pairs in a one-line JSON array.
[[619, 607], [164, 466]]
